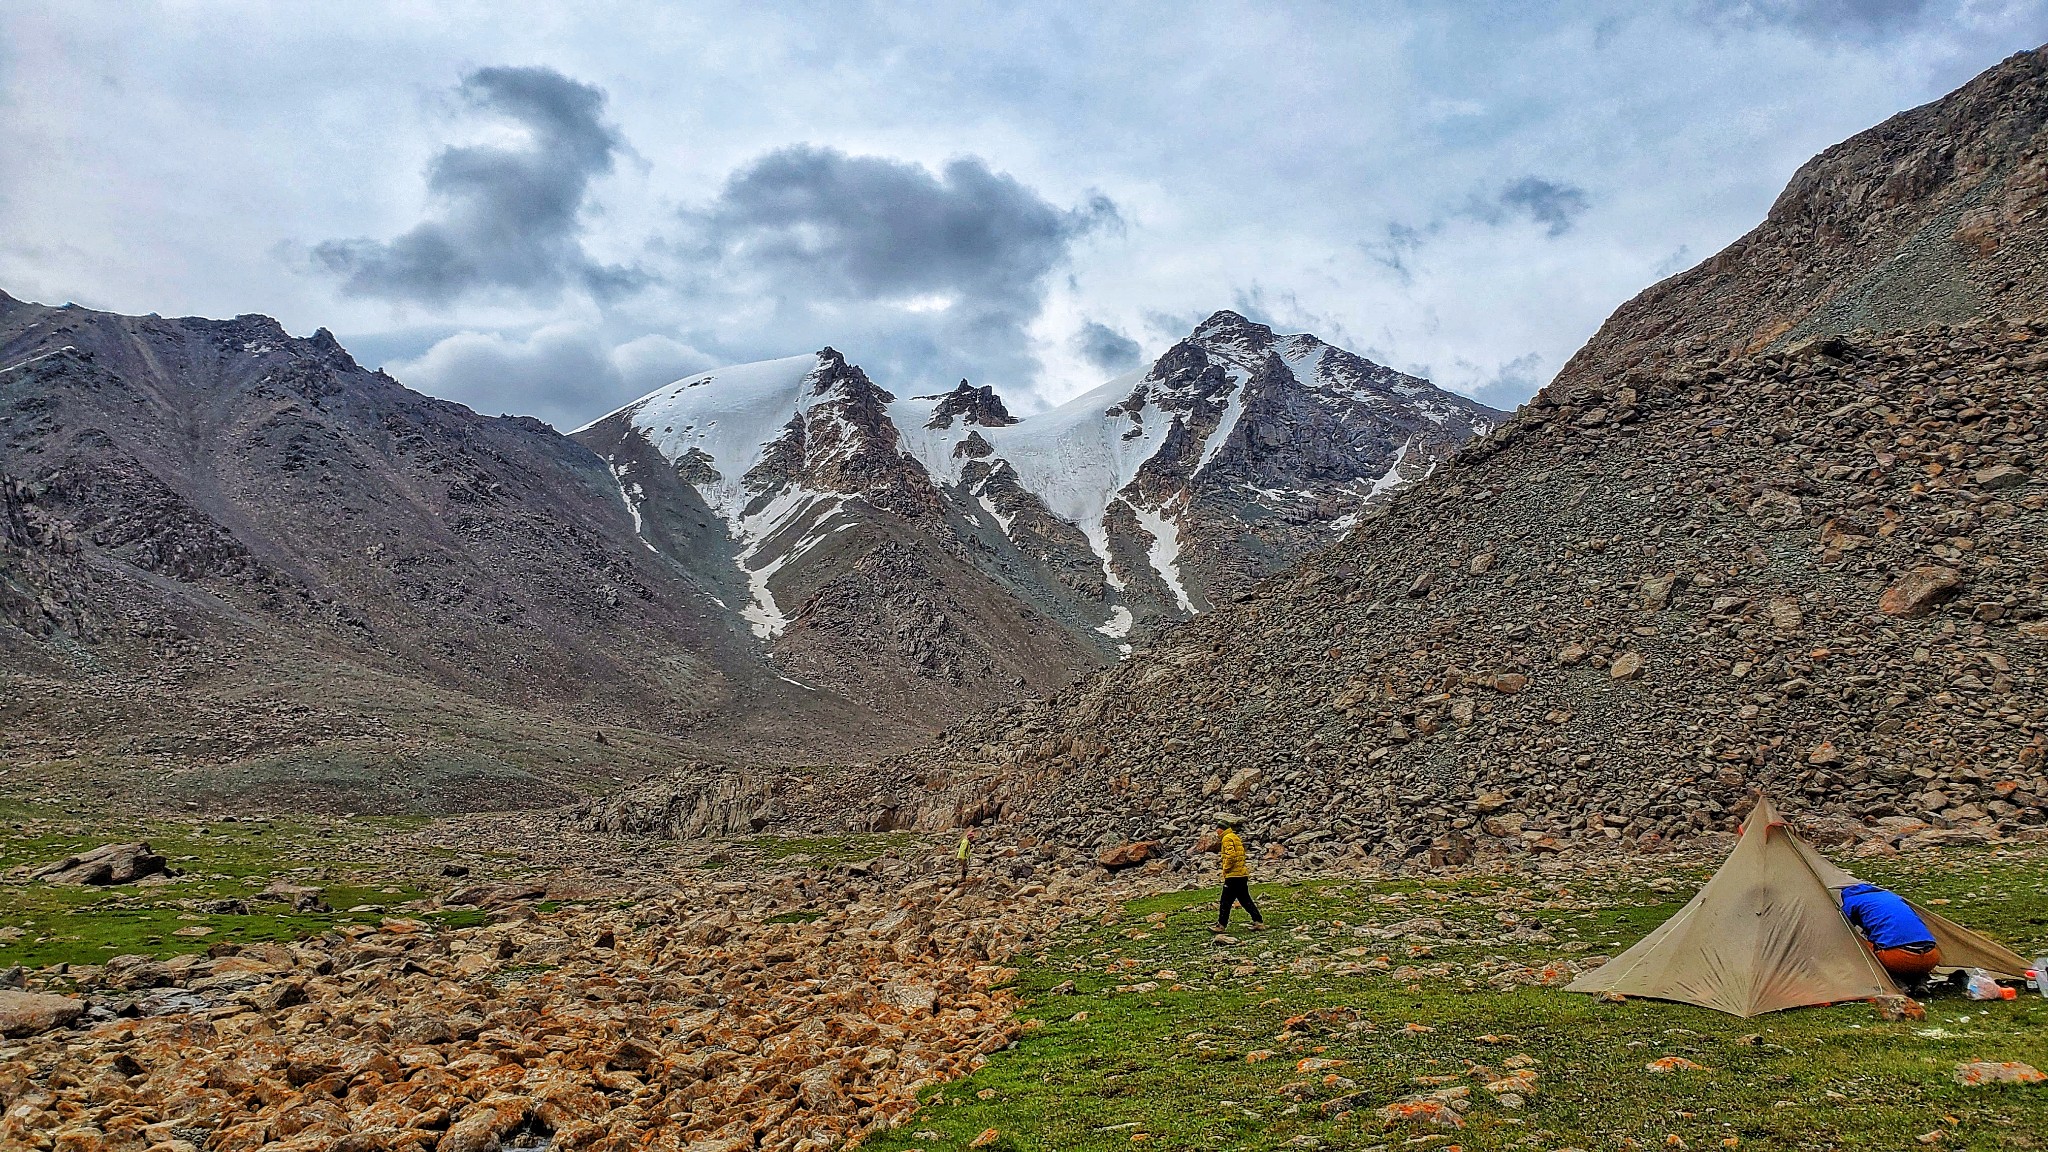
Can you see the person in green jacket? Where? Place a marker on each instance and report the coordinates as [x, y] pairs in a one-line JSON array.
[[1237, 879]]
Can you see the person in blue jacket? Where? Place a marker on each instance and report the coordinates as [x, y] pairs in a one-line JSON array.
[[1893, 932]]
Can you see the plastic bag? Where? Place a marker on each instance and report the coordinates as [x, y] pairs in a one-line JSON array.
[[2039, 982], [1983, 987]]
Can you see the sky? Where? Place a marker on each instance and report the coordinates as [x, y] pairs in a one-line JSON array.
[[550, 209]]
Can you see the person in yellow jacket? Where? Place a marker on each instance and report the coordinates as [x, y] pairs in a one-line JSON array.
[[1237, 880], [963, 854]]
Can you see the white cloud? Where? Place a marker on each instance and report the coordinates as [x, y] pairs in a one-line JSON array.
[[563, 373]]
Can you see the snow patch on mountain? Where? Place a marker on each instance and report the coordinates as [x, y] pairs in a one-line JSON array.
[[774, 534], [1119, 625], [989, 506], [730, 415], [1233, 407], [1164, 553], [631, 493], [726, 420]]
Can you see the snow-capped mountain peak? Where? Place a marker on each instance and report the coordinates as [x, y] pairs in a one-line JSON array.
[[1145, 499]]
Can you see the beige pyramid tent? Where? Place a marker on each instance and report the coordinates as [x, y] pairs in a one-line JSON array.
[[1767, 933]]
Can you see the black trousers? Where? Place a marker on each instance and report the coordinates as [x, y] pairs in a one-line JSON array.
[[1239, 889]]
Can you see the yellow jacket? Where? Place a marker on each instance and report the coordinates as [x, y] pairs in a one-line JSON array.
[[1233, 856]]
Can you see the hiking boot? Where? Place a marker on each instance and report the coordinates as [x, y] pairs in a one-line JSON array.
[[1219, 929], [1258, 926]]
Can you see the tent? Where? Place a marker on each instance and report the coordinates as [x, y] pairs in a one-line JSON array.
[[1767, 933]]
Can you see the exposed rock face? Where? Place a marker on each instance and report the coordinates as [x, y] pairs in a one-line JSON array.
[[688, 804], [967, 404], [27, 1013], [42, 586], [109, 864], [1679, 574], [1932, 217]]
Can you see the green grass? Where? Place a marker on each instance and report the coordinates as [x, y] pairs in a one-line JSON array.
[[44, 924], [1171, 1065]]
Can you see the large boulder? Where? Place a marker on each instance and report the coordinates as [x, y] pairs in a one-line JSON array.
[[27, 1013], [1127, 855], [107, 864]]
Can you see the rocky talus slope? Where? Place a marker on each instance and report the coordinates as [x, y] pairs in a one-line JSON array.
[[787, 1012], [1822, 570]]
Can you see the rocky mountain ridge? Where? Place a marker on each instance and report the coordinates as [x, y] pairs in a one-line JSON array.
[[1932, 217], [999, 551]]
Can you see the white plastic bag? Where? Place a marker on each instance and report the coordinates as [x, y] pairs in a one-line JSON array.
[[1983, 987]]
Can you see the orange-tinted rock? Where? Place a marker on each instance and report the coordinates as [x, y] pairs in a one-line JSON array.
[[1919, 591]]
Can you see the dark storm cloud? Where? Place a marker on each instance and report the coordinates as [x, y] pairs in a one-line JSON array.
[[1105, 347], [1555, 206], [508, 217], [902, 259], [1819, 19], [869, 226]]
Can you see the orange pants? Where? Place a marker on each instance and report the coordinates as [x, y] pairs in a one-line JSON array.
[[1906, 967]]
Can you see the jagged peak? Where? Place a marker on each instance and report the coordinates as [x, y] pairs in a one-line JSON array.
[[835, 374], [971, 405], [1228, 324]]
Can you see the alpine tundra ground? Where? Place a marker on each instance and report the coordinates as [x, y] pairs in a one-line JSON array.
[[1377, 1011], [1368, 1001]]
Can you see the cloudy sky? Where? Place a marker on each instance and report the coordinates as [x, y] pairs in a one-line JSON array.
[[550, 209]]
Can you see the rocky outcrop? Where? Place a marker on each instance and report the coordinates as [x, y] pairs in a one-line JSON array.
[[970, 405], [694, 802], [42, 585], [28, 1013], [108, 864]]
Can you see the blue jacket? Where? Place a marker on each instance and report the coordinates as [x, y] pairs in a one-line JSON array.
[[1884, 919]]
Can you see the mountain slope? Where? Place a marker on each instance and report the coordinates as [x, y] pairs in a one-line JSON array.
[[194, 505], [1934, 216], [1676, 575]]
